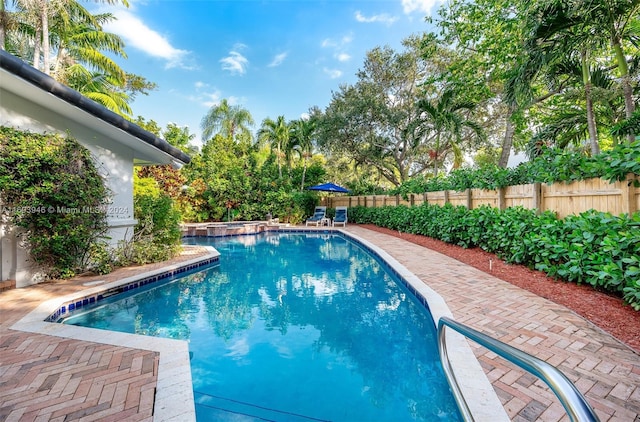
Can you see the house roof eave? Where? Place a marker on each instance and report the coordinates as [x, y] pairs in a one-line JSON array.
[[49, 86]]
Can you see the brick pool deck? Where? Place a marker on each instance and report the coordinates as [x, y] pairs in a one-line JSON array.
[[51, 378]]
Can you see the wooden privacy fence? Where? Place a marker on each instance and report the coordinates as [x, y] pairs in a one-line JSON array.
[[562, 198]]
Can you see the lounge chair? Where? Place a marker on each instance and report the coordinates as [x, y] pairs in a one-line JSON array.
[[341, 216], [318, 216]]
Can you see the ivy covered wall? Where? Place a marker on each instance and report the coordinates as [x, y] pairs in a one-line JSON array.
[[52, 191]]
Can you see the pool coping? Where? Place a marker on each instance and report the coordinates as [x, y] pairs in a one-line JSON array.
[[174, 399]]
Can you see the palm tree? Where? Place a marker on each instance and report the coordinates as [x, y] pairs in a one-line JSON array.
[[80, 45], [19, 28], [561, 30], [277, 133], [444, 122], [81, 64], [228, 121], [615, 21], [302, 133], [41, 12], [558, 49], [100, 87], [80, 39], [8, 23]]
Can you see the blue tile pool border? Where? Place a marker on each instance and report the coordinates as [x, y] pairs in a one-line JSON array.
[[83, 301]]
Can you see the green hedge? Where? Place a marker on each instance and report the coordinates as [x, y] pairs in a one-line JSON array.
[[595, 248], [550, 166], [51, 188]]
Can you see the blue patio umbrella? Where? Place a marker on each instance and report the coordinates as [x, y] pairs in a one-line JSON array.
[[329, 187]]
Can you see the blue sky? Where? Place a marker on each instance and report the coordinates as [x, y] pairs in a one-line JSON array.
[[271, 57]]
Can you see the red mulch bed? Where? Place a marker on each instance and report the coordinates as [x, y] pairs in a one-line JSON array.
[[606, 311]]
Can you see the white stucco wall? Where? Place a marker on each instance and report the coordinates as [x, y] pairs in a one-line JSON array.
[[14, 259], [114, 160]]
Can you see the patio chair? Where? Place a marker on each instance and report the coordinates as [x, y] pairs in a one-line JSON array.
[[318, 216], [341, 216]]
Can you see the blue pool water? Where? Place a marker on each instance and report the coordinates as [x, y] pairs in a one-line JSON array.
[[293, 327]]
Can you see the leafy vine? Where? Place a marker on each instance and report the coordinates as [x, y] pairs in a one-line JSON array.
[[50, 187]]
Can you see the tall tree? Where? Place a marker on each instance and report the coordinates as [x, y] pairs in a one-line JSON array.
[[442, 126], [558, 48], [179, 137], [43, 11], [79, 39], [302, 135], [7, 23], [368, 121], [615, 21], [231, 121], [488, 34], [559, 35], [81, 51], [276, 133], [100, 87]]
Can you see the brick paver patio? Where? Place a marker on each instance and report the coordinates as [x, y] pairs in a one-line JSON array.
[[45, 378]]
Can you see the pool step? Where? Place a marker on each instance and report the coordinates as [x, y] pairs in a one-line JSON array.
[[218, 408]]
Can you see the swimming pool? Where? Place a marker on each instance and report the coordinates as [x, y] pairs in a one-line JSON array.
[[317, 330]]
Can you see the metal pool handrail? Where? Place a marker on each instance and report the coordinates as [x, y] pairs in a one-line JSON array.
[[573, 401]]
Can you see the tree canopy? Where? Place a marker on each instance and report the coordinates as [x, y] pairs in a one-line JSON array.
[[486, 78]]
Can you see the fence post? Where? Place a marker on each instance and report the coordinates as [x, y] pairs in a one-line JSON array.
[[537, 197], [446, 196], [629, 195], [412, 199], [502, 200], [469, 200]]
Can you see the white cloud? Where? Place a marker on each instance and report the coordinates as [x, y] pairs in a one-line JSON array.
[[328, 43], [382, 18], [333, 73], [138, 35], [235, 62], [423, 6], [278, 59], [337, 43], [211, 97], [205, 95], [207, 99]]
